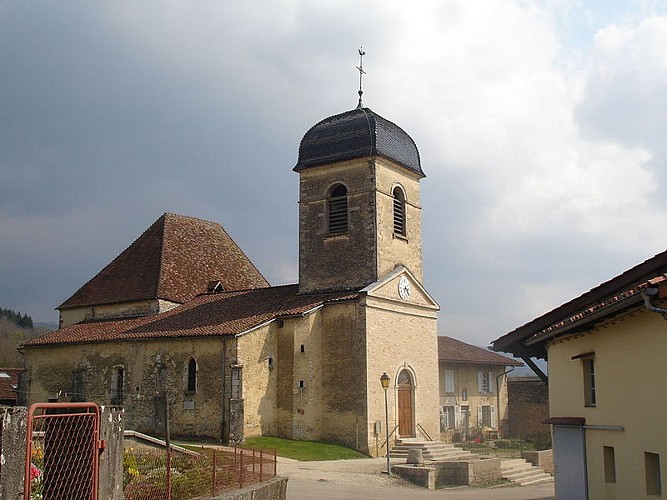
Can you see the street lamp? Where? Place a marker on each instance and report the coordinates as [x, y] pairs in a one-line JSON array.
[[384, 380]]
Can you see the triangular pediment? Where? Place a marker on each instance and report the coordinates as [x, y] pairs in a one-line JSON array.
[[400, 285]]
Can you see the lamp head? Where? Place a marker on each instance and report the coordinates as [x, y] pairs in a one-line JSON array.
[[384, 380]]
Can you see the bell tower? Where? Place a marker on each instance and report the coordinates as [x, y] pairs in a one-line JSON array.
[[359, 202]]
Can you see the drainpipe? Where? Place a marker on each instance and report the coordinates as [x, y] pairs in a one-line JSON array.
[[650, 307], [498, 397]]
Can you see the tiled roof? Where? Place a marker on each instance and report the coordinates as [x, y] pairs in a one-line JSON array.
[[9, 378], [225, 313], [454, 351], [606, 299], [356, 134], [174, 259]]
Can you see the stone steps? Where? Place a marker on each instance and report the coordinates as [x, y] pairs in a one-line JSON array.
[[522, 472], [431, 450]]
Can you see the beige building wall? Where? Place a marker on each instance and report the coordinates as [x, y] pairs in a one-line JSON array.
[[120, 310], [393, 249], [401, 335], [629, 415], [369, 250], [257, 357], [466, 393]]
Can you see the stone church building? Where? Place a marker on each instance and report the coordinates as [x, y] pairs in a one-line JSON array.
[[182, 319]]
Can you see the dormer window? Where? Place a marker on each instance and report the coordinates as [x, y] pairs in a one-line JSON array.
[[338, 209], [215, 286], [399, 211]]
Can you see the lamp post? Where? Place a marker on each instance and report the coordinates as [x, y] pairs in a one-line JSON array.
[[384, 380]]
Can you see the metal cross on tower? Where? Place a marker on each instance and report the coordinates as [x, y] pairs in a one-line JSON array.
[[361, 74]]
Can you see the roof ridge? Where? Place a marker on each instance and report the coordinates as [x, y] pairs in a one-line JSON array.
[[111, 263], [161, 277]]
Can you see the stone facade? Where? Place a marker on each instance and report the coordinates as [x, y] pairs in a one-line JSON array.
[[468, 401], [369, 249], [528, 408]]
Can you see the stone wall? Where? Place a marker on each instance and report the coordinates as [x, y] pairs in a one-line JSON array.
[[528, 406], [274, 489], [543, 459], [369, 249], [53, 372], [460, 472]]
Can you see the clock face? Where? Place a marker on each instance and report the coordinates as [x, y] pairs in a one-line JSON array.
[[404, 288]]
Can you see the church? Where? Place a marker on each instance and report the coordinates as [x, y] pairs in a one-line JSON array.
[[183, 324]]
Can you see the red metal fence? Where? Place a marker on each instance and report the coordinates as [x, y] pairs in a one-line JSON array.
[[62, 451], [206, 473]]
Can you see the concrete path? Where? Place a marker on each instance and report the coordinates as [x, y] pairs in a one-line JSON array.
[[365, 479]]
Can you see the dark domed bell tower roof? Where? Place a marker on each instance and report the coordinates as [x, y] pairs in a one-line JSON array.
[[356, 134]]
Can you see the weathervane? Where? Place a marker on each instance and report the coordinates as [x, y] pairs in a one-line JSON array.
[[361, 74]]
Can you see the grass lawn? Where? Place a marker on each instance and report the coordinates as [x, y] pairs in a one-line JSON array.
[[304, 450]]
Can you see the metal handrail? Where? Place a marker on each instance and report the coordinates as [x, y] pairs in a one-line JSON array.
[[419, 426], [385, 441]]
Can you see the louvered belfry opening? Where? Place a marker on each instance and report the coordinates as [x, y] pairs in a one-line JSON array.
[[338, 210], [399, 211]]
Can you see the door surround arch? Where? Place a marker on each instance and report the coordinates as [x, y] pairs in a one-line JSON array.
[[405, 385]]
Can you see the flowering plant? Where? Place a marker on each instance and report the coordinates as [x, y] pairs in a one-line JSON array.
[[36, 473]]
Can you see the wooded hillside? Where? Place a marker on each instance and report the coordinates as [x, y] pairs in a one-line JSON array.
[[15, 328]]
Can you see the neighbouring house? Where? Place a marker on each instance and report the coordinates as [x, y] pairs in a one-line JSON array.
[[607, 381], [183, 324], [473, 390], [528, 408], [9, 382]]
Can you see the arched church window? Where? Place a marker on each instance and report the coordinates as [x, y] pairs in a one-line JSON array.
[[404, 378], [338, 209], [192, 376], [399, 211]]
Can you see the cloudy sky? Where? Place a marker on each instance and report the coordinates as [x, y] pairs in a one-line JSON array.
[[540, 126]]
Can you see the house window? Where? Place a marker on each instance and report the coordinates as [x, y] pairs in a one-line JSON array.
[[79, 386], [589, 381], [338, 209], [237, 389], [399, 211], [652, 473], [609, 464], [449, 381], [192, 376], [447, 418], [117, 385], [486, 416], [484, 382]]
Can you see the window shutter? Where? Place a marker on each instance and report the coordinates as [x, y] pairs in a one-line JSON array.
[[480, 418], [494, 420], [480, 382], [457, 416], [449, 380], [491, 382]]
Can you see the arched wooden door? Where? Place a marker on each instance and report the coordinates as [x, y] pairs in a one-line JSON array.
[[406, 427]]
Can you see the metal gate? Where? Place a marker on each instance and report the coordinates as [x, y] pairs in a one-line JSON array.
[[62, 451]]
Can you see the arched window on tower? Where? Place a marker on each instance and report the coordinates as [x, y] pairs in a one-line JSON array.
[[399, 211], [192, 376], [338, 209]]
